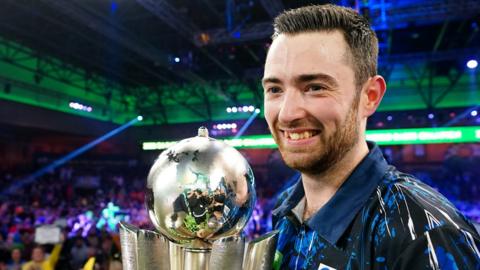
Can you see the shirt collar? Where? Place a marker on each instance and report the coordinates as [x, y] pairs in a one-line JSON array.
[[335, 216]]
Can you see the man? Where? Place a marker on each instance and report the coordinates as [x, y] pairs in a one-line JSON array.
[[350, 209], [39, 260], [78, 252], [16, 261]]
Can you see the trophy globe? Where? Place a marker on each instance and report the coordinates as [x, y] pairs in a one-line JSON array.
[[200, 190]]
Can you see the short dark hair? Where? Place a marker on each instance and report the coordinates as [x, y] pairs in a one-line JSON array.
[[358, 34]]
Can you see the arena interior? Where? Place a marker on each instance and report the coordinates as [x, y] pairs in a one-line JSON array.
[[91, 92]]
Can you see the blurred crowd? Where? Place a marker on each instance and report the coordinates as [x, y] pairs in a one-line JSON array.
[[87, 201]]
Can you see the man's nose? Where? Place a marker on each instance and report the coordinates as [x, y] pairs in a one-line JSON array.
[[292, 107]]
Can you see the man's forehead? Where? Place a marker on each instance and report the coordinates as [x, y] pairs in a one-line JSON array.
[[306, 53], [310, 39]]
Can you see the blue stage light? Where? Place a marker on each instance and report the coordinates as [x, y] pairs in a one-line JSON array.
[[18, 183], [247, 124], [113, 7]]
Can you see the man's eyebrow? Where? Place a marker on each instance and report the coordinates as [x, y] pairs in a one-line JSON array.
[[270, 80], [317, 76]]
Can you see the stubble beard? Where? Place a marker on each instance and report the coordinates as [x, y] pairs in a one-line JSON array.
[[330, 151]]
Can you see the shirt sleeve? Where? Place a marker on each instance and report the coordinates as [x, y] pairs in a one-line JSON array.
[[53, 258], [445, 247]]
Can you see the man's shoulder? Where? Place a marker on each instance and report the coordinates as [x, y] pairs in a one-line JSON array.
[[411, 208]]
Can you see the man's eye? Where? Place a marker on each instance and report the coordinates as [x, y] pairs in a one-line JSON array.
[[273, 90], [316, 87]]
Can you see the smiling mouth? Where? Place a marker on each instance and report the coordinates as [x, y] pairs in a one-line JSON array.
[[300, 135]]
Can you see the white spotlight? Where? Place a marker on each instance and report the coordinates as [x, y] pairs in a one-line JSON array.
[[471, 64]]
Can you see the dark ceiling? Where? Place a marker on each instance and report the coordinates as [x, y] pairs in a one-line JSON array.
[[151, 43], [136, 42]]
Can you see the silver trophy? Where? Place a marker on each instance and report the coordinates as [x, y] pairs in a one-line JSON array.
[[200, 195]]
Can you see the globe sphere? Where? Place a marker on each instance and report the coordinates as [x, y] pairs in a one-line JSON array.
[[200, 189]]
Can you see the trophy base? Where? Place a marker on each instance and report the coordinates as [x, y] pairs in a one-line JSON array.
[[149, 250]]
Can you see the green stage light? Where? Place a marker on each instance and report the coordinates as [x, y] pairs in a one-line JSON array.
[[381, 137], [424, 135], [157, 145]]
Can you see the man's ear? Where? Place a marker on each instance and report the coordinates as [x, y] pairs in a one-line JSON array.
[[372, 94]]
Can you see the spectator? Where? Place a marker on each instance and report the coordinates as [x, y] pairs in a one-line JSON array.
[[79, 253], [40, 261], [16, 261]]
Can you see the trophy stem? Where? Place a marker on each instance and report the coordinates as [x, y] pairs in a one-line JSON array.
[[196, 259], [227, 253], [176, 256]]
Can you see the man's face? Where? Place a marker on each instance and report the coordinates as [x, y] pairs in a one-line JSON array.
[[311, 105], [38, 255], [16, 255]]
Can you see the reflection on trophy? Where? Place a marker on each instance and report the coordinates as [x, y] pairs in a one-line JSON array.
[[200, 195]]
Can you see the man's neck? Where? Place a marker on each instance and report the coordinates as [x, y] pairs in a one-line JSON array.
[[320, 188]]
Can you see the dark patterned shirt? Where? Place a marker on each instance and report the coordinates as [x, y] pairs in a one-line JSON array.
[[379, 218]]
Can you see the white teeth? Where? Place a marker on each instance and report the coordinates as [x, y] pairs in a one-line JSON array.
[[300, 136]]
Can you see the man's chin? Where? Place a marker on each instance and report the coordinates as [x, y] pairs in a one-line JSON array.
[[299, 160], [309, 162]]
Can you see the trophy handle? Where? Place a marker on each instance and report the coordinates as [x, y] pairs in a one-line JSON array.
[[261, 252], [143, 249]]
